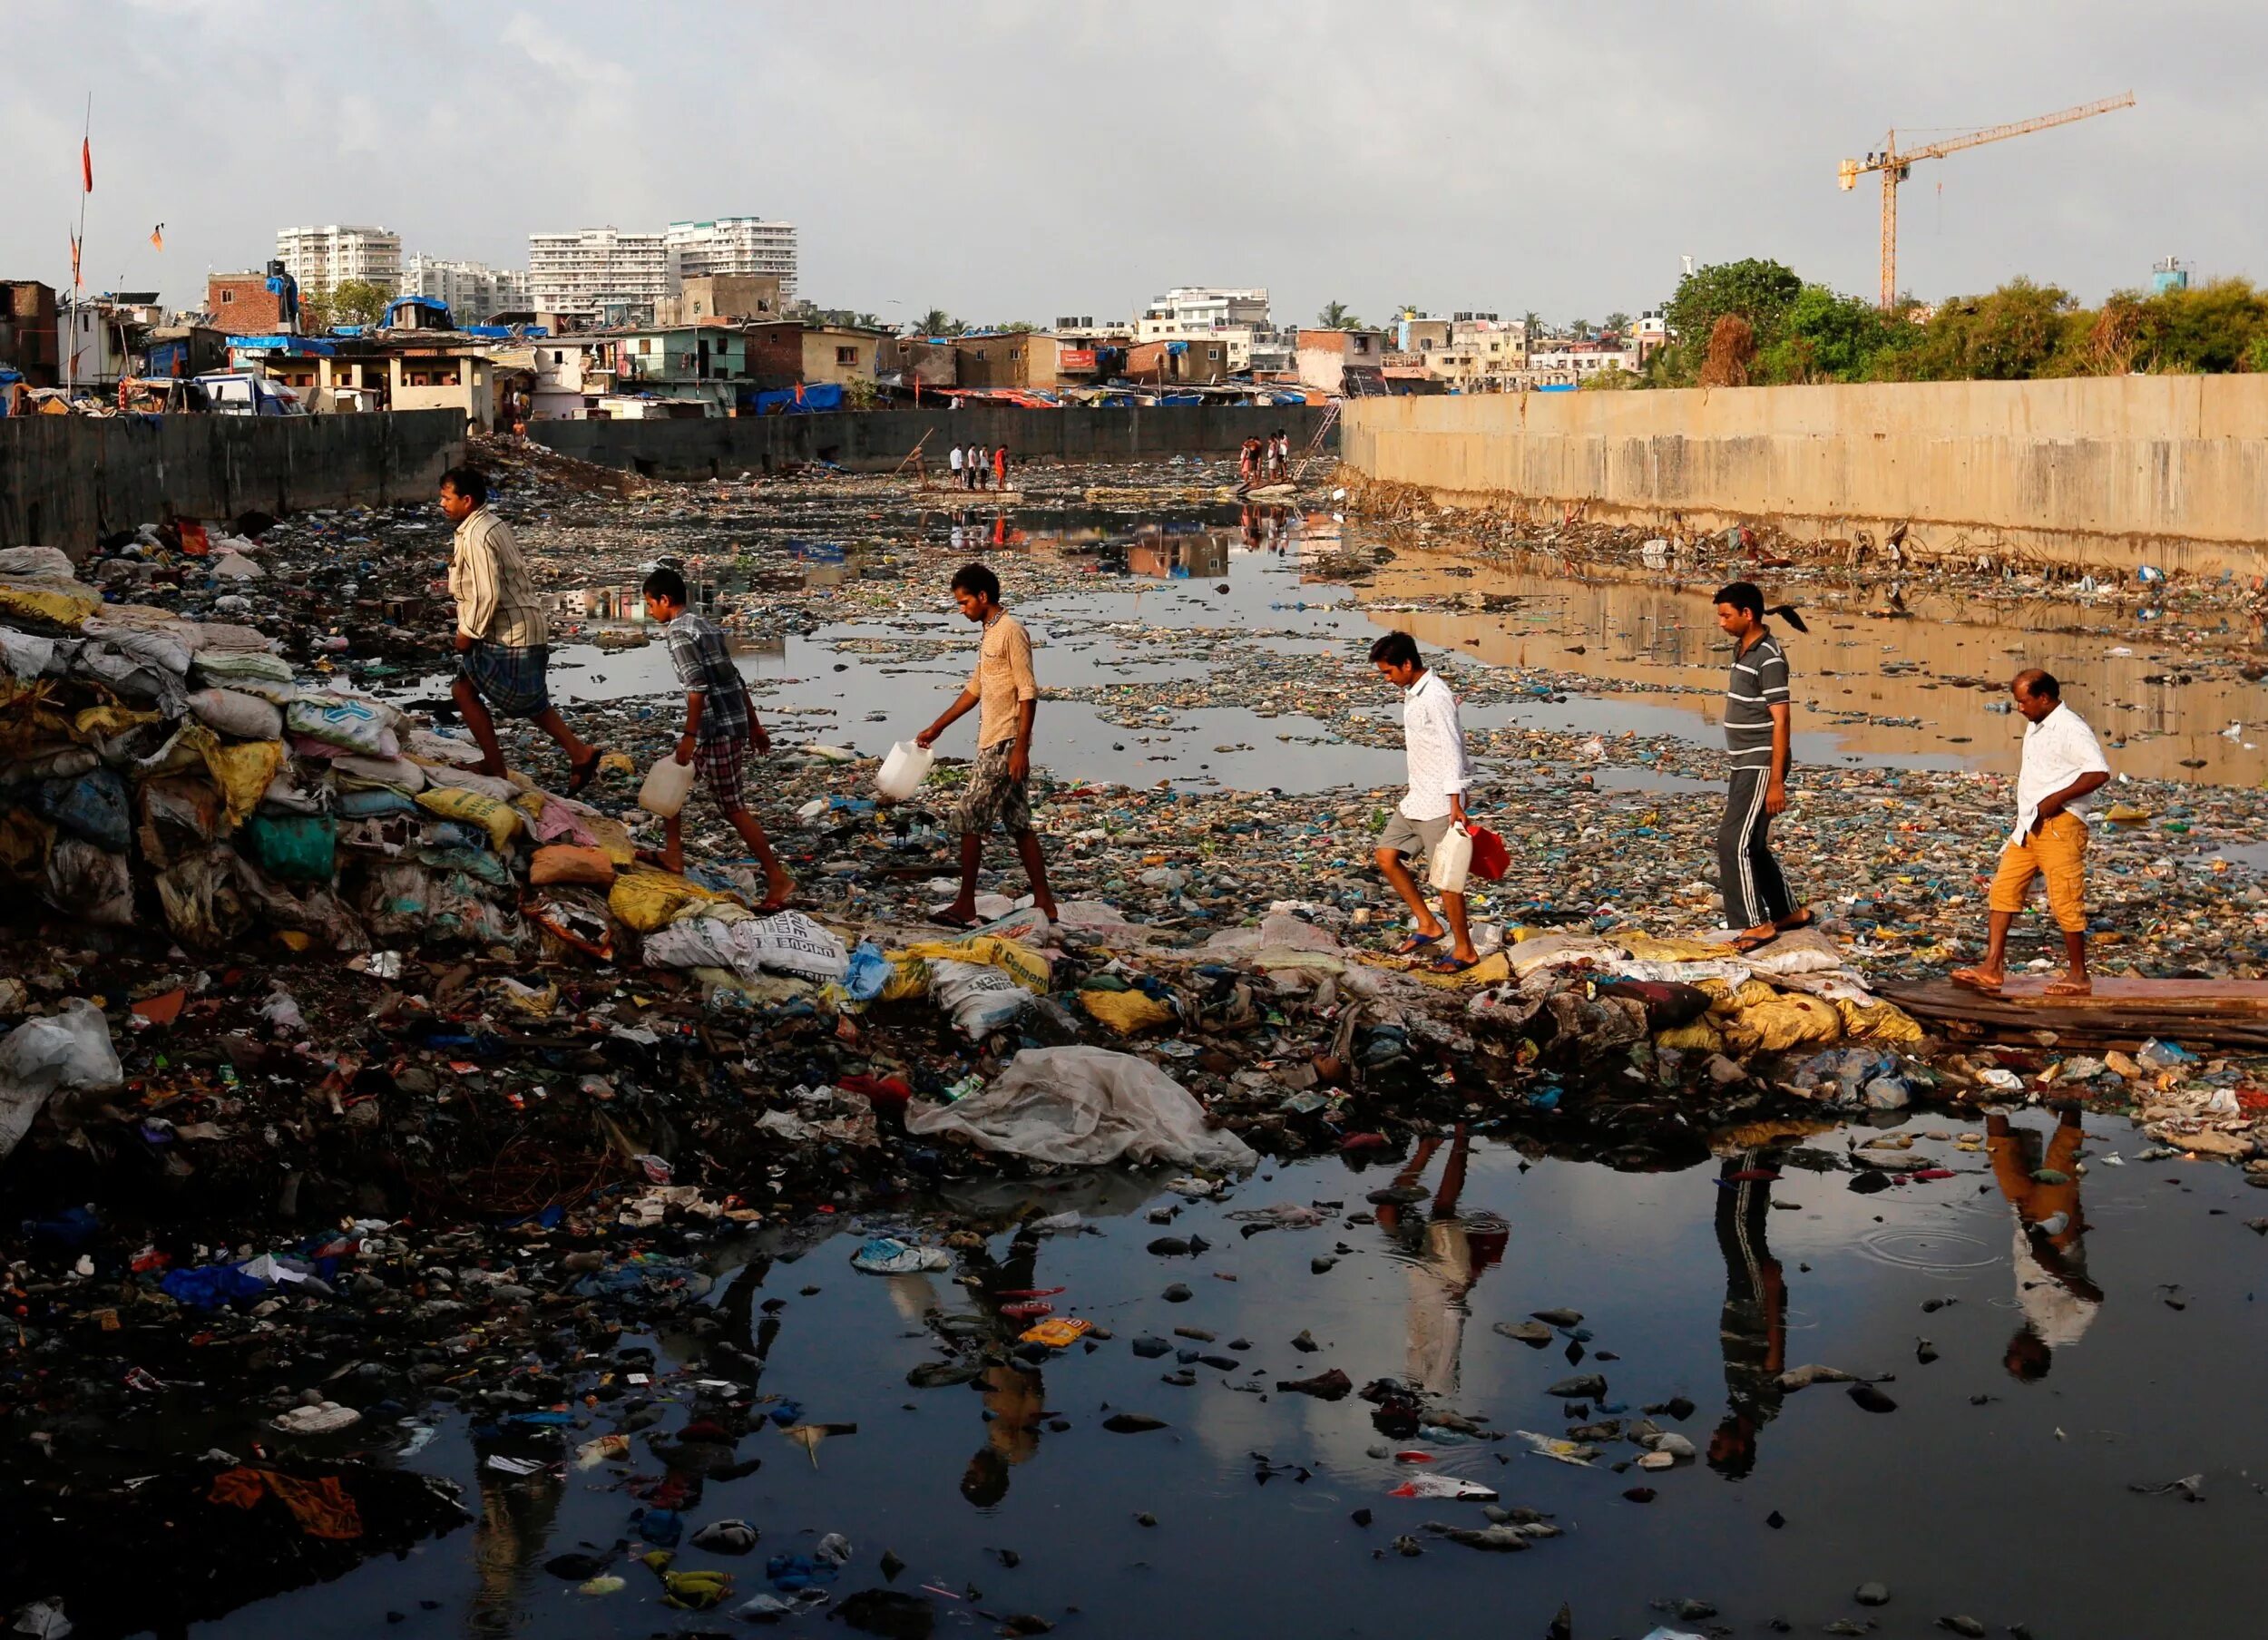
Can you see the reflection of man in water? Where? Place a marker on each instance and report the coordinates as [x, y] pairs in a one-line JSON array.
[[1447, 1257], [1752, 1329], [2058, 1300], [1014, 1395]]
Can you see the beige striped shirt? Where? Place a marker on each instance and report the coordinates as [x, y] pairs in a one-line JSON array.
[[494, 597]]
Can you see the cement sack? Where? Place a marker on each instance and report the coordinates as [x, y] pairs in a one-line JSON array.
[[37, 563], [67, 1049], [92, 806], [692, 942], [1085, 1105], [209, 638], [343, 721], [25, 655], [1805, 951], [792, 943], [449, 774], [235, 566], [157, 647], [238, 717], [398, 771], [981, 1000], [227, 666], [90, 883]]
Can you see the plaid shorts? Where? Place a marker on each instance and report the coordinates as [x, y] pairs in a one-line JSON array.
[[512, 680], [719, 760], [992, 797]]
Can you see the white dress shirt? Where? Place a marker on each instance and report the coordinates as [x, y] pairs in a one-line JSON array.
[[2057, 750], [1436, 742]]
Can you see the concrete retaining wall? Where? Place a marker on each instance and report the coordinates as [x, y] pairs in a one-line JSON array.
[[67, 480], [878, 439], [2110, 472]]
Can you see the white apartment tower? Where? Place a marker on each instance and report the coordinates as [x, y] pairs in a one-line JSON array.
[[323, 259], [729, 244], [1195, 309], [592, 269], [473, 290]]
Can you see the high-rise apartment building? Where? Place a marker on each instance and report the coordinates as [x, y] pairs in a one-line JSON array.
[[473, 290], [730, 245], [323, 259], [598, 270], [1195, 309]]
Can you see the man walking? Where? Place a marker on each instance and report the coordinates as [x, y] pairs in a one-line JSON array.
[[503, 643], [997, 794], [1440, 775], [956, 464], [2063, 762], [1758, 730]]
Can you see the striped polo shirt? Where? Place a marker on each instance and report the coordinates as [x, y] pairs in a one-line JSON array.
[[1759, 682]]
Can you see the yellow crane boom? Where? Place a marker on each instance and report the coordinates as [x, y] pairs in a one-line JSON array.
[[1894, 166]]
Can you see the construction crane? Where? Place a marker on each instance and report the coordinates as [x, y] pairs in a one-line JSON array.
[[1894, 167]]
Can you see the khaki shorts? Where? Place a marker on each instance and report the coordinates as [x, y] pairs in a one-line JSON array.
[[2056, 850], [1406, 836]]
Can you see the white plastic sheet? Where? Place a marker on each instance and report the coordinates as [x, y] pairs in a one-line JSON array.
[[1086, 1105], [67, 1049]]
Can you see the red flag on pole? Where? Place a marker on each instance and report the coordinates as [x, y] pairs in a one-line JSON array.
[[86, 163], [157, 236]]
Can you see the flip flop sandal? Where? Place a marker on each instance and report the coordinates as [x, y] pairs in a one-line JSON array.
[[1415, 945], [1450, 965], [581, 775], [963, 924]]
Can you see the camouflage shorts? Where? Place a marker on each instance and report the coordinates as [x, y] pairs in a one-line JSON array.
[[992, 796]]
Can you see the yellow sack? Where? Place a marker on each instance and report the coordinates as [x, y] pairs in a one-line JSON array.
[[649, 898], [1126, 1011], [1700, 1037], [909, 978], [501, 821], [102, 722], [1495, 969], [1880, 1023], [63, 609], [1028, 968], [613, 837], [1647, 948], [1748, 993], [240, 769], [1784, 1022]]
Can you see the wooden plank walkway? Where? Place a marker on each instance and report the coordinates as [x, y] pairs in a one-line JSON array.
[[2221, 1013]]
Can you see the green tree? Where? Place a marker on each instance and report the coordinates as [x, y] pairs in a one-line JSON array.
[[1580, 329], [358, 302], [1828, 337], [1338, 315], [2020, 331], [1759, 291], [938, 322], [1532, 322], [1616, 323]]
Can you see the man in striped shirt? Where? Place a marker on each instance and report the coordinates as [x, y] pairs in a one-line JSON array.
[[1758, 719]]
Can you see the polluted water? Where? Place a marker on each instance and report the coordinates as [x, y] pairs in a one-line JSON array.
[[418, 1228]]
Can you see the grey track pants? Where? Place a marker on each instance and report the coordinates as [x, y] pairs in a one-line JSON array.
[[1755, 889]]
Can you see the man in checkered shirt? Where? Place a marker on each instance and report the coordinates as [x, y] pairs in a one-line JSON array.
[[720, 728]]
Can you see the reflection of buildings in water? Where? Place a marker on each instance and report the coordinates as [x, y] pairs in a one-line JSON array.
[[1161, 557], [2052, 1289], [1446, 1255], [1752, 1329], [512, 1534]]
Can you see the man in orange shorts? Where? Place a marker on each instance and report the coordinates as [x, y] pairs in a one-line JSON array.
[[2063, 762]]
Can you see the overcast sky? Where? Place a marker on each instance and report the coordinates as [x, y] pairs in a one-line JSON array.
[[1016, 158]]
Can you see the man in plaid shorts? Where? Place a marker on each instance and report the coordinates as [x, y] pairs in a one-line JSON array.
[[998, 792], [720, 727]]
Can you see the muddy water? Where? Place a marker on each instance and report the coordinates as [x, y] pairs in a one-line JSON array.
[[1921, 683], [2002, 1485]]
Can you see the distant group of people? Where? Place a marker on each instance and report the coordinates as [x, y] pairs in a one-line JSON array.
[[972, 464], [1266, 460]]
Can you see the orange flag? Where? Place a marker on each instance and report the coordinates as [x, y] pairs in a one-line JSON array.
[[157, 236], [86, 163]]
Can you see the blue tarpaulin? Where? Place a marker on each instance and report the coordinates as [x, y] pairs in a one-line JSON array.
[[817, 395]]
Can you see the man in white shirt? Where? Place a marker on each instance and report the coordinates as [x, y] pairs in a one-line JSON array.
[[2063, 762], [956, 466], [1440, 776]]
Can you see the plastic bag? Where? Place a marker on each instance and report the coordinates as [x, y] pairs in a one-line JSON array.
[[1086, 1106], [93, 806], [667, 785], [71, 1048], [868, 974], [1451, 862], [981, 1000], [1027, 968], [644, 899], [90, 883], [902, 771], [1127, 1012], [1490, 858]]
